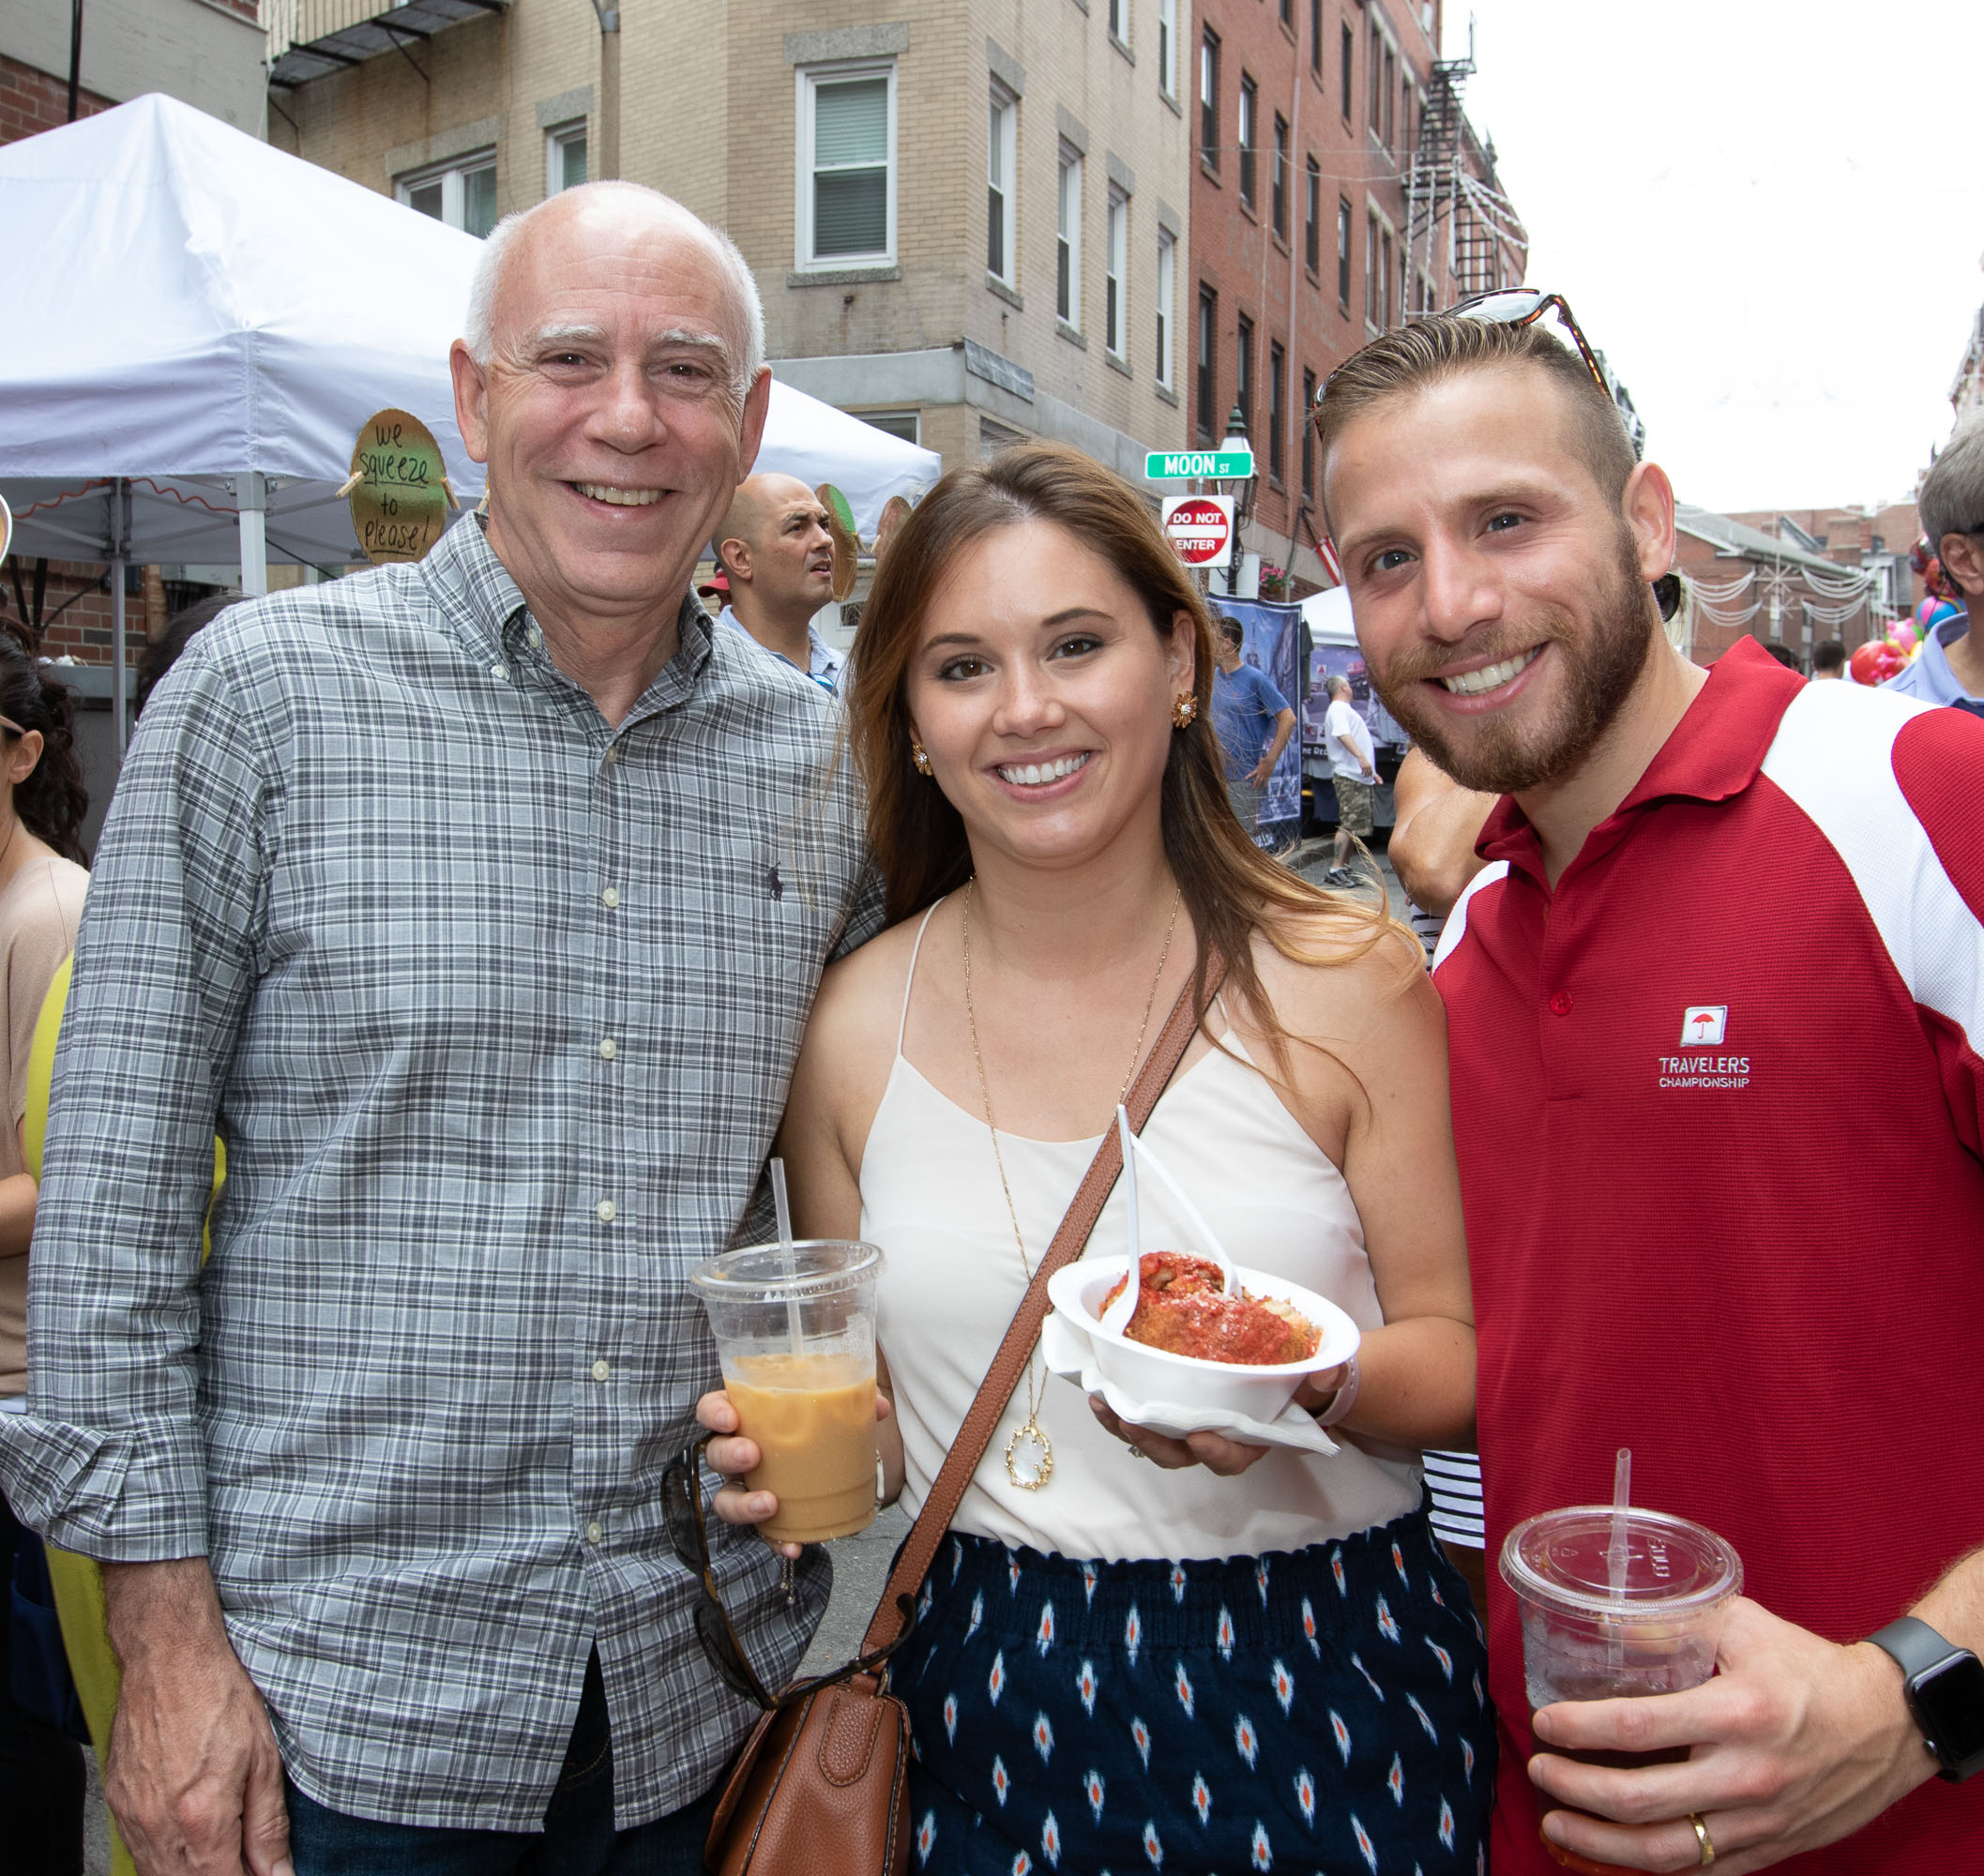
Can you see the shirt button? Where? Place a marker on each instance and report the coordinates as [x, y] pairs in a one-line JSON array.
[[499, 672], [593, 1531], [601, 1371], [607, 1048], [606, 1211], [534, 639], [613, 755], [610, 898], [1560, 1003]]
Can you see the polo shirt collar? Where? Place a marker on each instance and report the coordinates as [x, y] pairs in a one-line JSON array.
[[1714, 753]]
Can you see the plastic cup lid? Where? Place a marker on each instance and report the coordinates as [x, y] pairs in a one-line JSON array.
[[1672, 1565], [780, 1272]]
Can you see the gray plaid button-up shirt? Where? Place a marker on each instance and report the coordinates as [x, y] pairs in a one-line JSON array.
[[494, 1007]]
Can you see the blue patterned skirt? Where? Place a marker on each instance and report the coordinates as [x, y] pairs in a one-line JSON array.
[[1320, 1709]]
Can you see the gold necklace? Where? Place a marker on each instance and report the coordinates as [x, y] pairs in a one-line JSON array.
[[1030, 1433]]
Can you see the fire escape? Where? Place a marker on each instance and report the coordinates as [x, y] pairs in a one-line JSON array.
[[1456, 211]]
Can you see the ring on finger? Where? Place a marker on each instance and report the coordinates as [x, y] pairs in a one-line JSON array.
[[1703, 1838]]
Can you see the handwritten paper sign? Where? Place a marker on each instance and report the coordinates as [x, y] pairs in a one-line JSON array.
[[398, 491]]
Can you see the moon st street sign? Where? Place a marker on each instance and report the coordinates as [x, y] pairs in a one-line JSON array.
[[1203, 465], [1201, 527]]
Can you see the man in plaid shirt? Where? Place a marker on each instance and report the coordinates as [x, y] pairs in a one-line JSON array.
[[477, 904]]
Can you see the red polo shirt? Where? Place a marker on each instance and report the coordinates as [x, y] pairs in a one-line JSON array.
[[1717, 1100]]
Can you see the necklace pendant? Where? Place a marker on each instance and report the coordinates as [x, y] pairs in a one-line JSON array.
[[1030, 1447]]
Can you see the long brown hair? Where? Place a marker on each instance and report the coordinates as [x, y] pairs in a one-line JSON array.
[[1230, 886]]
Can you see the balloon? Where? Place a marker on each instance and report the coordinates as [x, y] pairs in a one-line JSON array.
[[1902, 634], [1927, 610], [1865, 661]]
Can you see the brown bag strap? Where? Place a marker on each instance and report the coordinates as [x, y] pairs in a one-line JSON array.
[[946, 1493]]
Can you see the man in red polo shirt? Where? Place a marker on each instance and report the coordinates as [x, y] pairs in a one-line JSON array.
[[1715, 1009]]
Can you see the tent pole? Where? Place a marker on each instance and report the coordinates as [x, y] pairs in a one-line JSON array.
[[120, 543], [253, 497]]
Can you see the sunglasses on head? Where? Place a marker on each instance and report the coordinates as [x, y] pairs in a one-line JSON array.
[[683, 1516]]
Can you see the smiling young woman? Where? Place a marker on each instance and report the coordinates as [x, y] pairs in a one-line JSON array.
[[1050, 805]]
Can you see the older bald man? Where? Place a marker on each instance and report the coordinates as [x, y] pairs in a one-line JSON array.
[[776, 548], [467, 901]]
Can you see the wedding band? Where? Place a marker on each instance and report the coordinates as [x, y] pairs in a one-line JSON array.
[[1703, 1838]]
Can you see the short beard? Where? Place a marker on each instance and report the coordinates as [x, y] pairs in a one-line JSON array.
[[1496, 758]]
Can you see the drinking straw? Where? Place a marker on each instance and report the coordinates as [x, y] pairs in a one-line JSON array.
[[783, 1207], [1118, 1315], [1615, 1552], [1621, 1505]]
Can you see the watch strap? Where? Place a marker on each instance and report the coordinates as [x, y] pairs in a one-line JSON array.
[[1915, 1647], [1918, 1649]]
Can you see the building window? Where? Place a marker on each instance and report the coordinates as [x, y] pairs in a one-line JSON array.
[[1312, 217], [1204, 392], [904, 424], [1000, 253], [1119, 20], [1343, 252], [1244, 372], [1167, 287], [1116, 280], [1276, 416], [461, 193], [1209, 98], [1288, 14], [1277, 194], [1067, 239], [1248, 132], [1307, 417], [1391, 93], [847, 164], [1350, 44], [1375, 82], [1373, 280], [1405, 111], [1168, 47], [1315, 37], [1385, 278], [564, 156]]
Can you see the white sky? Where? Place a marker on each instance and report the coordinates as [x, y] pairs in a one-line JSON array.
[[1768, 213]]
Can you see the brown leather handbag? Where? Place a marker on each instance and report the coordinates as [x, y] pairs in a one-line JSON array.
[[823, 1781]]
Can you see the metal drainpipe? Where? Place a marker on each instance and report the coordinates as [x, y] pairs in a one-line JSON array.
[[608, 164]]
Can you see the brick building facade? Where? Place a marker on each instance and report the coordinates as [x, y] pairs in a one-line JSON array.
[[964, 216], [1337, 188], [1743, 582]]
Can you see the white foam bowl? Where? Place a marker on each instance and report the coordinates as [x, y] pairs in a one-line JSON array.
[[1077, 1292]]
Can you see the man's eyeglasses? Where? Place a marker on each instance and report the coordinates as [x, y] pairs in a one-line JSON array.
[[682, 1513]]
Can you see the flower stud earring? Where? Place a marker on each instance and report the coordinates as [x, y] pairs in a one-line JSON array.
[[919, 756], [1185, 711]]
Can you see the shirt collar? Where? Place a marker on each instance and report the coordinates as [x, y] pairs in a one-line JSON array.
[[474, 592], [1713, 753]]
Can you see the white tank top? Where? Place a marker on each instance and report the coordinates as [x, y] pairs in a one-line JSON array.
[[951, 1281]]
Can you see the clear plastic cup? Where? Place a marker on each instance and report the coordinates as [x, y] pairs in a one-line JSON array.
[[1582, 1641], [795, 1325]]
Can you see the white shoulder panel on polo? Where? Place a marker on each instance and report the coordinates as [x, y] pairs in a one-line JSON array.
[[1457, 919], [1833, 757]]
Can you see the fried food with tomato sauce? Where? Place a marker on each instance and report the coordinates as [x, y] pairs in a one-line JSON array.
[[1180, 1309]]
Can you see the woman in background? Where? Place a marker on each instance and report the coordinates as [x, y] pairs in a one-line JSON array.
[[42, 882]]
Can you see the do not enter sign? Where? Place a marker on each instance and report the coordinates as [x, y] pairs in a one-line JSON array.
[[1201, 527]]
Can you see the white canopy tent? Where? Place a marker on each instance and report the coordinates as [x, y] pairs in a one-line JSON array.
[[197, 324]]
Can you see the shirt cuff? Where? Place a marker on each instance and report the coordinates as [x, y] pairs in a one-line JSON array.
[[116, 1497]]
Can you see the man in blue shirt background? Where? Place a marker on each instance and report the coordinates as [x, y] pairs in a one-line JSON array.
[[1253, 719], [1950, 669]]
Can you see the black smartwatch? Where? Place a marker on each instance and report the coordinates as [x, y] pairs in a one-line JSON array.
[[1945, 1693]]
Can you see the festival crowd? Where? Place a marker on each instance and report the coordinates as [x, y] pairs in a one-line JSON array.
[[504, 914]]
